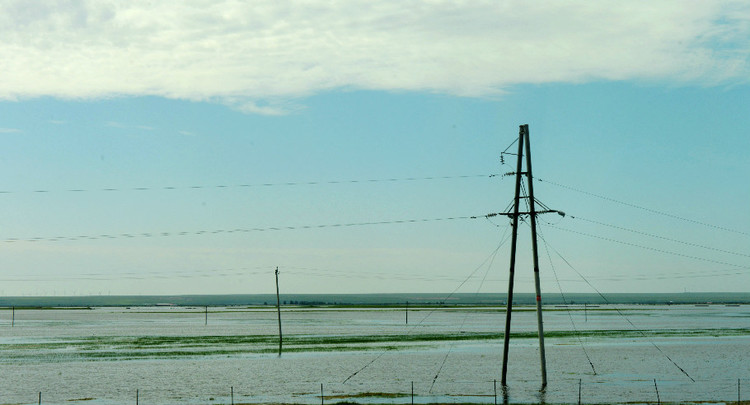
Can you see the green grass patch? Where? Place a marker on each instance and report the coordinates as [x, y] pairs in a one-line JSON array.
[[369, 395], [145, 347]]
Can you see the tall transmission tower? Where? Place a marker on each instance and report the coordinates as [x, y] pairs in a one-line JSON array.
[[515, 215]]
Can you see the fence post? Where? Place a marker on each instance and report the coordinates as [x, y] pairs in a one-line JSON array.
[[321, 393], [136, 396], [40, 398], [579, 391], [412, 393], [738, 391], [232, 394], [658, 400]]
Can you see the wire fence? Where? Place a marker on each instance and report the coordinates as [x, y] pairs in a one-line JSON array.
[[406, 391]]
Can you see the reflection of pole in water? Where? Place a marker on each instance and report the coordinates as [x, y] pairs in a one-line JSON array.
[[278, 307], [543, 395], [494, 389]]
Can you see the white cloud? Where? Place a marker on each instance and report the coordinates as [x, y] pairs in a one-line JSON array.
[[259, 56], [9, 131]]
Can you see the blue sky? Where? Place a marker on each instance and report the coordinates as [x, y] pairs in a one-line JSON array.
[[185, 119]]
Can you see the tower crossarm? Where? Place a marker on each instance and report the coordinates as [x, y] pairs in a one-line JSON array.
[[510, 214]]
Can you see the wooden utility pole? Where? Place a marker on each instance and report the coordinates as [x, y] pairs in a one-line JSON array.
[[278, 308], [534, 252], [513, 241], [523, 143]]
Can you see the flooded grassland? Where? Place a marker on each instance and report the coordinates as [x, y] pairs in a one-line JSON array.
[[368, 355]]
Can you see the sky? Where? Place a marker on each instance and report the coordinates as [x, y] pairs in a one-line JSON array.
[[192, 147]]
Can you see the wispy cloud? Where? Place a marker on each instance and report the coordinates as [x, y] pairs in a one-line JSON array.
[[257, 56], [9, 130]]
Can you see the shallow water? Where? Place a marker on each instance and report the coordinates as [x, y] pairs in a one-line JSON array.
[[169, 354]]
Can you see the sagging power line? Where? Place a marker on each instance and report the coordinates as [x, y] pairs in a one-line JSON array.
[[632, 325], [565, 302], [413, 327], [248, 185], [651, 210], [651, 235], [653, 249], [236, 230]]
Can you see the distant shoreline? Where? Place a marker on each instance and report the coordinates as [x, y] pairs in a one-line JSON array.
[[378, 300]]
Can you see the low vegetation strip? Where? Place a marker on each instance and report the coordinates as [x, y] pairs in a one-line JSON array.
[[143, 347]]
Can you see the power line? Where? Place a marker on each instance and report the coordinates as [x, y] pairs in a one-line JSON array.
[[255, 185], [231, 231], [672, 276], [565, 301], [445, 299], [463, 321], [653, 211], [310, 271], [660, 276], [658, 236], [618, 311], [138, 276], [650, 248], [227, 272]]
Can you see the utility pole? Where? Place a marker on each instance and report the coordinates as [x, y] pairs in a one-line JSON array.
[[523, 143], [534, 252], [278, 307], [513, 241]]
